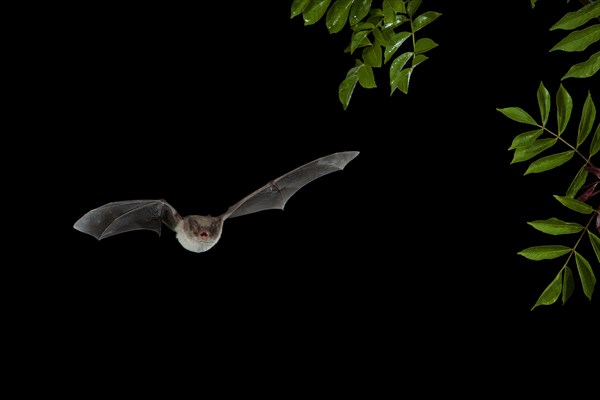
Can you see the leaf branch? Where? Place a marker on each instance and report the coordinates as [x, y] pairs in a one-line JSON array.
[[587, 160]]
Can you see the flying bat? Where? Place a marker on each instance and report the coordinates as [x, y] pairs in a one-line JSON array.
[[199, 233]]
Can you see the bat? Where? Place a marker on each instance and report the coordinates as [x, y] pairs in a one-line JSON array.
[[199, 233]]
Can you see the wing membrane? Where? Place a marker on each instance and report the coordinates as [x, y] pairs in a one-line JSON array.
[[275, 194]]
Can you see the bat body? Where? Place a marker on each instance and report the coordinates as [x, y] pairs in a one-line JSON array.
[[199, 233]]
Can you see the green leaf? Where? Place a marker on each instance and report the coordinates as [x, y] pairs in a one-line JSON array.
[[398, 6], [424, 19], [359, 10], [574, 204], [377, 13], [518, 114], [548, 252], [551, 293], [568, 284], [354, 70], [424, 44], [388, 12], [363, 26], [394, 43], [359, 39], [533, 3], [588, 280], [595, 240], [584, 69], [405, 75], [595, 146], [588, 115], [337, 15], [525, 138], [400, 19], [577, 18], [577, 182], [579, 40], [298, 6], [372, 55], [564, 106], [380, 37], [314, 11], [555, 226], [413, 6], [543, 97], [395, 69], [527, 152], [366, 77], [418, 59], [549, 162], [346, 88]]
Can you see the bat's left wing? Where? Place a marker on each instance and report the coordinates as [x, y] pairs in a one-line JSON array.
[[276, 193], [125, 216]]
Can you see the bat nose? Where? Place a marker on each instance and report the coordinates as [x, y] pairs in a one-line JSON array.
[[203, 235]]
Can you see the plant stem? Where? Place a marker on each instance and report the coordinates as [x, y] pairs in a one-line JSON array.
[[576, 150]]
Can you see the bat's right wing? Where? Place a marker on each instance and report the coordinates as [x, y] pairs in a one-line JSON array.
[[276, 193], [130, 215]]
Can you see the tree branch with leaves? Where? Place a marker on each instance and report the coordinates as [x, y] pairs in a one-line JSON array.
[[379, 32], [579, 195]]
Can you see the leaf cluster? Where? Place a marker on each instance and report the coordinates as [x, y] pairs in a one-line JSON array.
[[531, 144], [580, 38], [377, 33], [528, 146]]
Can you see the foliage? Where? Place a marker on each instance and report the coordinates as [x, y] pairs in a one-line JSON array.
[[579, 195], [579, 40], [378, 33]]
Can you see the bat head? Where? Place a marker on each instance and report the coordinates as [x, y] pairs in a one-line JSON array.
[[199, 233]]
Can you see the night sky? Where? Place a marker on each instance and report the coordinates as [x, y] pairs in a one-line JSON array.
[[413, 244]]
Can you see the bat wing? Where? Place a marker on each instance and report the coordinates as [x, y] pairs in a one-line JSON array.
[[124, 216], [276, 193]]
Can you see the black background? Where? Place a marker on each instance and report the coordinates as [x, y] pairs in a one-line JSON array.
[[405, 258]]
